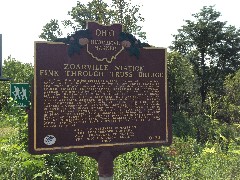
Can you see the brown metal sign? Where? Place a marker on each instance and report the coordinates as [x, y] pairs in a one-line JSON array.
[[99, 99]]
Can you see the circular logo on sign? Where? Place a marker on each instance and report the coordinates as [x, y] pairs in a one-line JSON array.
[[49, 140]]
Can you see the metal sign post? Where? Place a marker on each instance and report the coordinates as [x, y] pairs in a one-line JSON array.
[[1, 78], [0, 55], [105, 166]]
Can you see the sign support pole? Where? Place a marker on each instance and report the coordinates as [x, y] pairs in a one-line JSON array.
[[0, 55], [2, 78], [105, 166]]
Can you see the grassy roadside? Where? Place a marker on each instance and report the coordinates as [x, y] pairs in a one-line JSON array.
[[6, 132]]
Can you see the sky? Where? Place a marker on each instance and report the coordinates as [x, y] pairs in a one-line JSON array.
[[21, 21]]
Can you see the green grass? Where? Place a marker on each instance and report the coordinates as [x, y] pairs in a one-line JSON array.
[[5, 132]]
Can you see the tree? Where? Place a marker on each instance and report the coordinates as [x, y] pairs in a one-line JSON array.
[[182, 83], [119, 11], [211, 46], [51, 30], [229, 106], [96, 10], [129, 17]]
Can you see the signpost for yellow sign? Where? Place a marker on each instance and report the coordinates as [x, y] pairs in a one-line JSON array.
[[100, 94]]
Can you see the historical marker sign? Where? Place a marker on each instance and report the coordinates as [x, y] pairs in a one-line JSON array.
[[20, 93], [101, 98]]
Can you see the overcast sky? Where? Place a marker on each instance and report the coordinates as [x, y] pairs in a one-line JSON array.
[[21, 21]]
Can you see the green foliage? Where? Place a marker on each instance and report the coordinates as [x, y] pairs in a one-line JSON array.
[[17, 163], [119, 11], [216, 157], [95, 10], [210, 52], [137, 164], [68, 166], [16, 70], [189, 160], [128, 15], [182, 126], [211, 46], [184, 159], [182, 83], [231, 101], [217, 165], [51, 31]]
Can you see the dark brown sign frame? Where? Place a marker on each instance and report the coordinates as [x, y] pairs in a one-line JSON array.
[[125, 82]]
